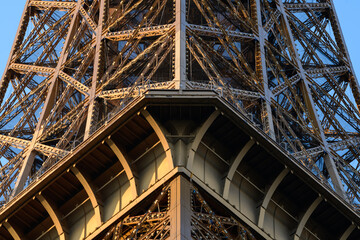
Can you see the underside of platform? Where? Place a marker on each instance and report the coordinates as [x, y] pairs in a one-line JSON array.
[[178, 166]]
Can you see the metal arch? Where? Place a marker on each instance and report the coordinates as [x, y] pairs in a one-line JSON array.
[[54, 215], [200, 134], [347, 232], [14, 233], [306, 217], [235, 165], [268, 196], [90, 190], [160, 133], [125, 164]]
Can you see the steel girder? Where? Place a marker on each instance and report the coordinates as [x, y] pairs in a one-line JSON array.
[[110, 186], [283, 64], [178, 202]]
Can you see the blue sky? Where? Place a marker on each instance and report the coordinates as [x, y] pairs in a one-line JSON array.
[[10, 14]]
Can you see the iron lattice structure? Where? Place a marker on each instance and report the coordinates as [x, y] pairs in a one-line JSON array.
[[155, 222], [282, 64]]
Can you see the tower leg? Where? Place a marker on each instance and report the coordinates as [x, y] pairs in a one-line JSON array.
[[180, 209]]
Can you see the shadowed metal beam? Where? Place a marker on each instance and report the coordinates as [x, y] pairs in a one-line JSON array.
[[125, 164], [15, 234], [235, 165], [268, 196], [200, 134], [54, 215], [180, 209], [90, 190], [347, 232], [306, 217], [160, 133]]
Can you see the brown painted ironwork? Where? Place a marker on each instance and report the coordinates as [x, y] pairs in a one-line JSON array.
[[155, 222], [282, 64]]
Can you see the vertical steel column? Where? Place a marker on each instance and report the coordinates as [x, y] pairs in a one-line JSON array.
[[95, 76], [267, 92], [309, 102], [48, 104], [180, 44], [180, 209]]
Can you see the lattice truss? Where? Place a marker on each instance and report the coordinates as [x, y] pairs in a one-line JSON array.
[[206, 224], [283, 64], [155, 222]]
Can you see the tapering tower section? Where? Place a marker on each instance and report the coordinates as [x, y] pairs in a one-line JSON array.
[[180, 119]]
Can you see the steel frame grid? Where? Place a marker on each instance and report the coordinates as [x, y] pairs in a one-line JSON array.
[[75, 64]]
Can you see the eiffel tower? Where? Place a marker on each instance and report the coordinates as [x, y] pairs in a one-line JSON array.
[[179, 119]]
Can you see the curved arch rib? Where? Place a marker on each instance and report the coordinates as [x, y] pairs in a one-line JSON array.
[[160, 133], [306, 217], [54, 215], [89, 189], [125, 165], [16, 235], [200, 134], [348, 231], [269, 195], [235, 165]]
